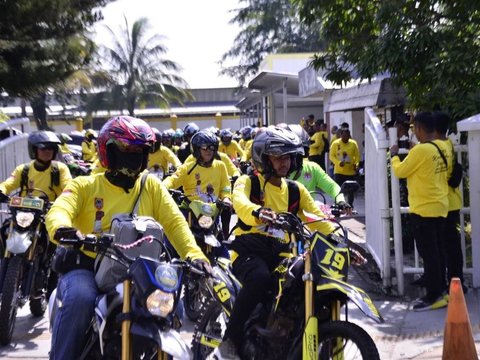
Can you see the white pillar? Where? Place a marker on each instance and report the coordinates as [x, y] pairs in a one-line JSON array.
[[472, 125]]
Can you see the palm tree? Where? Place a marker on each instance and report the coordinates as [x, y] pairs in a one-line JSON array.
[[139, 69]]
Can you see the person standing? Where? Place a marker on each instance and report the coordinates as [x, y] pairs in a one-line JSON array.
[[319, 144], [426, 174], [345, 156]]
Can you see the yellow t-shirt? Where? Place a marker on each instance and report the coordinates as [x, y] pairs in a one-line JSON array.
[[454, 194], [348, 153], [205, 183], [426, 176], [318, 144], [231, 168], [89, 151], [247, 153], [233, 150], [275, 198], [38, 179], [89, 201], [163, 157]]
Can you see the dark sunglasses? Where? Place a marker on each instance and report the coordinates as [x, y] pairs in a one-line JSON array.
[[208, 147]]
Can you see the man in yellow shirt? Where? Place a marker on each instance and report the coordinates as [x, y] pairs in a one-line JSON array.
[[229, 146], [256, 251], [89, 146], [345, 156], [162, 157], [88, 203], [319, 144], [426, 175]]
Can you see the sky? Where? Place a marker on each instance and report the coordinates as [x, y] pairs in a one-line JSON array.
[[197, 33]]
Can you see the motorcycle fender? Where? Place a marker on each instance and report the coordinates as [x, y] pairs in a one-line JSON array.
[[211, 240], [18, 243], [310, 340], [354, 294], [173, 344]]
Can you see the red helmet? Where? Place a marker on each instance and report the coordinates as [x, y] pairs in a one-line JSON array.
[[125, 133]]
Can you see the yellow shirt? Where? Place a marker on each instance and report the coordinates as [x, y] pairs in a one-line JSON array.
[[89, 151], [247, 153], [348, 153], [38, 179], [233, 150], [426, 176], [89, 199], [231, 168], [318, 144], [205, 183], [275, 198], [163, 157]]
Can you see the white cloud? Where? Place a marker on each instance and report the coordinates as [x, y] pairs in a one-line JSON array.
[[197, 33]]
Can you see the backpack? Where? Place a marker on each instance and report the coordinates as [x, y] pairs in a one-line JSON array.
[[255, 197], [128, 228], [457, 170], [54, 177]]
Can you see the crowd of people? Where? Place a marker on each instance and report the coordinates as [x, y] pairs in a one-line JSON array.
[[231, 166]]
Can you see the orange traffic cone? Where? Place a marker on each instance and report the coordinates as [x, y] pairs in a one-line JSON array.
[[458, 340]]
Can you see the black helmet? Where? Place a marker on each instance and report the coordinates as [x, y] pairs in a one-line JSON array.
[[40, 140], [277, 142], [190, 130], [203, 138], [226, 136], [158, 140]]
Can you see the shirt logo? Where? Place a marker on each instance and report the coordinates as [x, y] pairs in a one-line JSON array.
[[98, 203]]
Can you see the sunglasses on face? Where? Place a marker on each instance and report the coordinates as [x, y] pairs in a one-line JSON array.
[[208, 147], [48, 148]]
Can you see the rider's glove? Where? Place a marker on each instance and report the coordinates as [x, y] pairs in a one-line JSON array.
[[343, 205], [3, 198], [203, 265], [65, 232]]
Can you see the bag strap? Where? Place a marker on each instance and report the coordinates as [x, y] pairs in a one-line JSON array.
[[24, 178], [137, 202], [293, 196], [440, 152]]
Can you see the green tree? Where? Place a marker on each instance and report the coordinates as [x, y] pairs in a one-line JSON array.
[[268, 26], [41, 43], [429, 47], [141, 74]]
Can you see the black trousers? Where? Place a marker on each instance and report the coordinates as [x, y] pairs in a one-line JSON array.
[[453, 246], [340, 179], [319, 159], [428, 233]]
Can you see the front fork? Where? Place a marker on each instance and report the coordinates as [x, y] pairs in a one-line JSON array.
[[126, 323], [310, 334]]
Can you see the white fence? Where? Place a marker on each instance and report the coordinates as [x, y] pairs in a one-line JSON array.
[[377, 211]]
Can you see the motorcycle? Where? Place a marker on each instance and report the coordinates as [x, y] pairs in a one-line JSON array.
[[303, 319], [137, 319], [203, 219], [24, 271]]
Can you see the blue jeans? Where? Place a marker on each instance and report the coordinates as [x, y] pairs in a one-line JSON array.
[[77, 292]]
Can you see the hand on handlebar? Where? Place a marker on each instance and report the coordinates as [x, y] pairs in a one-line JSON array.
[[266, 215], [345, 207], [203, 265], [65, 232]]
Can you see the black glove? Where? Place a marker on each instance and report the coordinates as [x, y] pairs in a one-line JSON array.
[[66, 232], [4, 198], [343, 205], [203, 265]]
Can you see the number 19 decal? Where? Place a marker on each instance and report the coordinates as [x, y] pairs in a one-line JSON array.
[[334, 259]]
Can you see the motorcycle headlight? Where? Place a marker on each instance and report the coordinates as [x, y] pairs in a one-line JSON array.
[[24, 219], [160, 303], [205, 222]]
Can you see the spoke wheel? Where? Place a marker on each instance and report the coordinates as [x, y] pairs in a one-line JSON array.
[[10, 293]]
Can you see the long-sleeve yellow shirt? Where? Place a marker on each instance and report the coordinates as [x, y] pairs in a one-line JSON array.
[[204, 183], [275, 198], [162, 157], [38, 179], [426, 176], [348, 153], [318, 144], [88, 200], [89, 150], [233, 150]]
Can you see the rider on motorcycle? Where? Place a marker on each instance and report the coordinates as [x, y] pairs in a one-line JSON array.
[[161, 155], [256, 250], [228, 145], [89, 146], [87, 205], [188, 132]]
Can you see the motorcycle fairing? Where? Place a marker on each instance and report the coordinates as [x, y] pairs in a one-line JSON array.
[[355, 294], [173, 344], [329, 259], [199, 207], [105, 304]]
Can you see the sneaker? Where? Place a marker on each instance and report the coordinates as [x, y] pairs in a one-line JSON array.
[[423, 304], [225, 351]]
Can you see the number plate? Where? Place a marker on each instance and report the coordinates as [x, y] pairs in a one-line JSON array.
[[29, 203]]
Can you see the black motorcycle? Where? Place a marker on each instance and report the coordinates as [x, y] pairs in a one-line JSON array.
[[24, 270], [137, 319]]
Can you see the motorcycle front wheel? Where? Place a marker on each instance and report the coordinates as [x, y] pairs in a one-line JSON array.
[[345, 340], [193, 297], [10, 293]]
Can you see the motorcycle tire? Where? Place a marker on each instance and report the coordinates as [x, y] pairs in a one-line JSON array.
[[193, 297], [38, 305], [209, 329], [10, 293], [356, 343]]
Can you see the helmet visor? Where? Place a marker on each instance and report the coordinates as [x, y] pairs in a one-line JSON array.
[[128, 146]]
